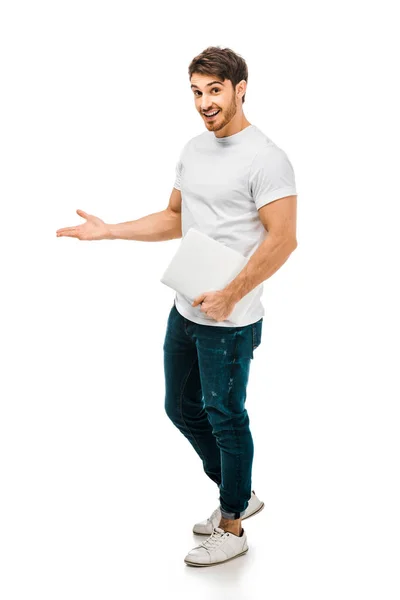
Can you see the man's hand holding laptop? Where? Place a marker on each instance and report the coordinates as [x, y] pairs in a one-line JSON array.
[[217, 304]]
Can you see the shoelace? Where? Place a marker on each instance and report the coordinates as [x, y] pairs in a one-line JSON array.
[[216, 538]]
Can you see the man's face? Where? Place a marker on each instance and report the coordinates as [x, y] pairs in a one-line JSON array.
[[211, 94]]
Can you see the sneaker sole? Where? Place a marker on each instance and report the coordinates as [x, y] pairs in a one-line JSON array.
[[219, 562], [259, 509]]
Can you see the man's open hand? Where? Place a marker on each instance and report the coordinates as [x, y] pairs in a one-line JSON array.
[[93, 229]]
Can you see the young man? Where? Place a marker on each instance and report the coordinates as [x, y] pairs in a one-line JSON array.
[[237, 186]]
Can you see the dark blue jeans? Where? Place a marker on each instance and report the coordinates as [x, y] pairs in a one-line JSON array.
[[206, 373]]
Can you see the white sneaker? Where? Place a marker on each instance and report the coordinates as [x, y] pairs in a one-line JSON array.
[[206, 527], [218, 548]]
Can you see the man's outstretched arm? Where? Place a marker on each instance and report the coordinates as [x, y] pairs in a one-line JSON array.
[[156, 227]]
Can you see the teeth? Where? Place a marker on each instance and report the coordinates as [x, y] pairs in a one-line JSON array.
[[211, 114]]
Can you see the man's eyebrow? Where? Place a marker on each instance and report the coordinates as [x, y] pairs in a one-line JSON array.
[[211, 83]]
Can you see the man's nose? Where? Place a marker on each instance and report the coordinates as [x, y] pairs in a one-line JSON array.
[[205, 103]]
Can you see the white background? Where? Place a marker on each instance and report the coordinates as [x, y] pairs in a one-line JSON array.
[[99, 491]]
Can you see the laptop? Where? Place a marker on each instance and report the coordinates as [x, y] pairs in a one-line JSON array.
[[201, 264]]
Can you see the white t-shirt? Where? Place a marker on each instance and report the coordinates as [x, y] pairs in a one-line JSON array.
[[223, 183]]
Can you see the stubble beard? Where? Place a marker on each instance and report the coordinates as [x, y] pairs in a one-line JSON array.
[[230, 113]]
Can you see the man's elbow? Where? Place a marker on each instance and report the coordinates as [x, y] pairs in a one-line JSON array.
[[291, 243], [285, 240]]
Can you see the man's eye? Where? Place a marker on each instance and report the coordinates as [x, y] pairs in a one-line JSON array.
[[197, 91]]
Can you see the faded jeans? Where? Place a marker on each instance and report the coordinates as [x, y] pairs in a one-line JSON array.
[[206, 373]]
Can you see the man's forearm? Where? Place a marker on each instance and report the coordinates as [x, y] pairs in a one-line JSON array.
[[157, 227], [265, 261]]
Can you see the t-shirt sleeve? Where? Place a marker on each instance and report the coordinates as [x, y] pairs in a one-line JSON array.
[[179, 167], [178, 171], [271, 176]]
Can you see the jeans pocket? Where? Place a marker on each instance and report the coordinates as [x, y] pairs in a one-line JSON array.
[[257, 331]]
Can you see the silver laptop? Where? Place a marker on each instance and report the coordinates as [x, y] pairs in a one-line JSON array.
[[201, 264]]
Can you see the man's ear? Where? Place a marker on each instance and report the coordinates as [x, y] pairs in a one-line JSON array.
[[241, 87]]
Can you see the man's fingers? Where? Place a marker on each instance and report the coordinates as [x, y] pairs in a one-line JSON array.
[[198, 300], [71, 231], [82, 213], [65, 229]]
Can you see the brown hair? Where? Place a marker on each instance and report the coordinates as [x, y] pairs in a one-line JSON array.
[[222, 62]]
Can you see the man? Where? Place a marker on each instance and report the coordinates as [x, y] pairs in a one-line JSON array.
[[237, 186]]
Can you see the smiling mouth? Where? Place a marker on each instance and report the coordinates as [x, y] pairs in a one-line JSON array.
[[211, 115]]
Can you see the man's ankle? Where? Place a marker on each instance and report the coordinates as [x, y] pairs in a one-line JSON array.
[[232, 525]]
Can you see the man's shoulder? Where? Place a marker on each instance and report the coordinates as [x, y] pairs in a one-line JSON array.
[[199, 139], [195, 141], [261, 141], [265, 148]]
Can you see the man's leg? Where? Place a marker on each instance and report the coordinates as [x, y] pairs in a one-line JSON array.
[[224, 355], [183, 395]]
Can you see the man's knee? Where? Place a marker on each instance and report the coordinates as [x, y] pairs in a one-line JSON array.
[[171, 407]]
